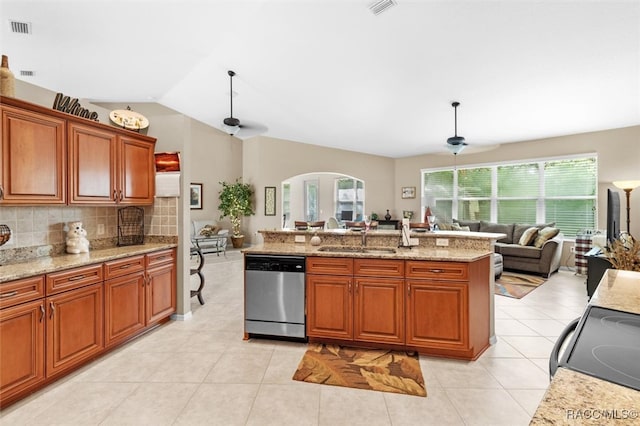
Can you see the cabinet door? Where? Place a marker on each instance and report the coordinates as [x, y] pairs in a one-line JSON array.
[[21, 348], [379, 310], [329, 306], [124, 312], [137, 172], [160, 293], [75, 324], [92, 156], [437, 314], [33, 165]]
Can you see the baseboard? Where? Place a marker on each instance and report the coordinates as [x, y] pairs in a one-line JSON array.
[[182, 317]]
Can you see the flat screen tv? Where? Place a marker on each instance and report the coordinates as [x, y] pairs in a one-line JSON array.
[[613, 215]]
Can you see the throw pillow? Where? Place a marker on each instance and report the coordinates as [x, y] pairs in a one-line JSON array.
[[544, 235], [528, 236], [209, 230], [457, 227], [474, 225], [446, 226]]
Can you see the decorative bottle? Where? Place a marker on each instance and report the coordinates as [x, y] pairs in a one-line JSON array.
[[388, 215], [7, 80]]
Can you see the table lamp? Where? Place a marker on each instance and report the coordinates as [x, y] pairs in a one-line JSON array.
[[627, 186]]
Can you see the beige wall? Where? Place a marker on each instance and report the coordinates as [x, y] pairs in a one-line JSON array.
[[268, 161], [618, 159]]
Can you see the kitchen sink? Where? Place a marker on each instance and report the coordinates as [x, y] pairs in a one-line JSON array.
[[356, 249]]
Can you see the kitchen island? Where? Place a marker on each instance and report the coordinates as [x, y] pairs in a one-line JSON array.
[[362, 289], [577, 398]]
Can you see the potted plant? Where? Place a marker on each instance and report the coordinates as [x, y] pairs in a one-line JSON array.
[[235, 202]]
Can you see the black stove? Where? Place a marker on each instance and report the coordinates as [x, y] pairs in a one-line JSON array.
[[605, 344]]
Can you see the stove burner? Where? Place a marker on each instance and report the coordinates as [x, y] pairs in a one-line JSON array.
[[625, 324], [617, 359]]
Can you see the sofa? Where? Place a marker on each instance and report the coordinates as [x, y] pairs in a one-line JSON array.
[[528, 248], [208, 236]]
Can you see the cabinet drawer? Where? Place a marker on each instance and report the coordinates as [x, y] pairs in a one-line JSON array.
[[73, 278], [120, 267], [161, 257], [437, 270], [330, 265], [378, 267], [19, 291]]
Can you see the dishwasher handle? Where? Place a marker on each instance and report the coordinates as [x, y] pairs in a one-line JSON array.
[[555, 352]]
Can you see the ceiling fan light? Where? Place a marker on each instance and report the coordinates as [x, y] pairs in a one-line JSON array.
[[232, 130], [457, 148]]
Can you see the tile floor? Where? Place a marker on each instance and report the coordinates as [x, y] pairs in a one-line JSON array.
[[201, 372]]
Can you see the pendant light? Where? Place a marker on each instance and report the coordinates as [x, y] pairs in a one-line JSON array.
[[456, 143]]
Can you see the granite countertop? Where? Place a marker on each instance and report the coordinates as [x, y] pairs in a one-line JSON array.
[[46, 264], [576, 398], [403, 253]]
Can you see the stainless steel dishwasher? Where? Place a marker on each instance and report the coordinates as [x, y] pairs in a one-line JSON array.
[[275, 296]]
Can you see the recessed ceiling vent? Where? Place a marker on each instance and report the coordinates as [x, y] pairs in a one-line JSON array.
[[27, 73], [20, 27], [381, 5]]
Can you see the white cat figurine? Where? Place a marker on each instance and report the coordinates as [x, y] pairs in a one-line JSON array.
[[77, 239]]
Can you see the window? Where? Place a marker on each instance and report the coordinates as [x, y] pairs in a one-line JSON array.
[[560, 190], [311, 200], [349, 199]]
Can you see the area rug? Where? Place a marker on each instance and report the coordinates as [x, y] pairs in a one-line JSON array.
[[517, 285], [380, 370]]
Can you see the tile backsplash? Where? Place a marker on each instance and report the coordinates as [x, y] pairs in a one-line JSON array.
[[41, 226]]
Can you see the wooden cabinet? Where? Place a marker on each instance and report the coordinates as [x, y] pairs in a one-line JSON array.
[[124, 296], [21, 348], [448, 307], [434, 307], [93, 160], [51, 324], [75, 324], [109, 168], [136, 171], [160, 296], [379, 301], [329, 297], [329, 306], [33, 158], [47, 155], [364, 303]]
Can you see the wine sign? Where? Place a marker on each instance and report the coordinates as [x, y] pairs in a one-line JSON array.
[[73, 107]]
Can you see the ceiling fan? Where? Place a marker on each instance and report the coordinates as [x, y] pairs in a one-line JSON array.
[[456, 143], [233, 126]]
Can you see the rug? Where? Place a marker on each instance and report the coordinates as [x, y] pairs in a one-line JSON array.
[[517, 285], [380, 370]]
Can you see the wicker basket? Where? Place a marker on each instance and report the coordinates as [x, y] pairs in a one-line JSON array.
[[5, 234]]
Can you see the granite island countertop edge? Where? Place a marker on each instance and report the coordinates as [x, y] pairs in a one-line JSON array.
[[402, 253]]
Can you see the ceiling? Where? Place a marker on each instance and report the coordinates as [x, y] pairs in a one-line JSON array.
[[334, 74]]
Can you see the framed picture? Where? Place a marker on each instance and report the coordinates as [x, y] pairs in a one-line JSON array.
[[195, 196], [269, 200], [407, 214], [408, 192]]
